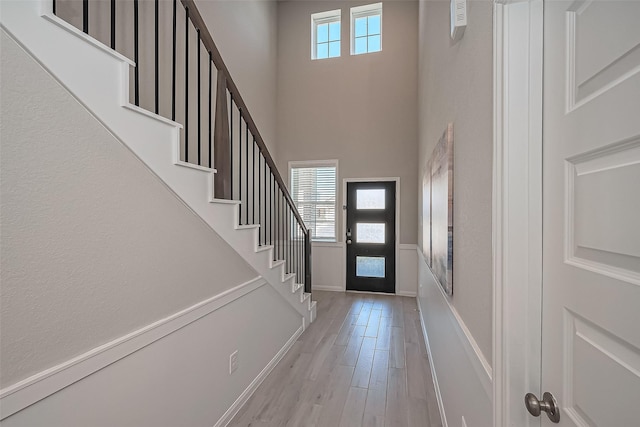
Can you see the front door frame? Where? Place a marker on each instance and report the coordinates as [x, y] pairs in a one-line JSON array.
[[517, 208], [344, 223]]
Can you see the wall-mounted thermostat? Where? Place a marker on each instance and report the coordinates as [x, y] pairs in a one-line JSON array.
[[458, 18]]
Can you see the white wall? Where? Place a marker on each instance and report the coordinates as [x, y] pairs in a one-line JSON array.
[[93, 244], [177, 379], [361, 110], [455, 85]]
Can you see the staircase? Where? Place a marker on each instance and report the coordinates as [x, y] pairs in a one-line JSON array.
[[257, 218]]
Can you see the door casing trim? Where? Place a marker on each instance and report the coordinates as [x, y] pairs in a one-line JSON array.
[[344, 222], [517, 208]]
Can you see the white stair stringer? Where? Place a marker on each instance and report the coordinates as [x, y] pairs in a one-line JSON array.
[[99, 79], [249, 249]]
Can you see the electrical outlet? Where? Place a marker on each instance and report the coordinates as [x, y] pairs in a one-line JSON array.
[[233, 362]]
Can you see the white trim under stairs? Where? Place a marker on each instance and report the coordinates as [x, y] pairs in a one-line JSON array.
[[98, 78]]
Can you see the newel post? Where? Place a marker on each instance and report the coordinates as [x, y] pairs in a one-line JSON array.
[[222, 142]]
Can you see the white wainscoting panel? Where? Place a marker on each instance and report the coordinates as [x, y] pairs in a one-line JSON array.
[[327, 266], [173, 372], [407, 270], [461, 374]]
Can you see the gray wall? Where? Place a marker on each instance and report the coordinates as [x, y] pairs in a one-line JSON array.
[[93, 244], [360, 109], [455, 82], [246, 35]]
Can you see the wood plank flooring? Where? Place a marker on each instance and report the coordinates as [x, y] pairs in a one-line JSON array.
[[363, 362]]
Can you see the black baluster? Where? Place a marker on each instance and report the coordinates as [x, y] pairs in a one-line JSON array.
[[186, 85], [173, 65], [157, 61], [136, 53], [246, 140], [289, 238], [282, 225], [253, 186], [211, 128], [231, 138], [54, 7], [240, 164], [199, 112], [113, 23], [85, 16], [277, 221], [272, 192], [261, 231], [265, 200]]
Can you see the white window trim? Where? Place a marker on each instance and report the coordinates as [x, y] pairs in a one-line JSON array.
[[324, 18], [317, 164], [361, 12]]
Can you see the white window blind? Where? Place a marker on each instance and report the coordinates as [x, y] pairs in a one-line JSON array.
[[314, 193]]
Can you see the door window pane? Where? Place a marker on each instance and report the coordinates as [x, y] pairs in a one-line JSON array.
[[370, 199], [367, 266], [370, 233]]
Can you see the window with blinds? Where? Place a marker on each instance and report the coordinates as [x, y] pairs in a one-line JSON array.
[[313, 189]]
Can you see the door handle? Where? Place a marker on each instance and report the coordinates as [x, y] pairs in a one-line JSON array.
[[548, 404], [348, 241]]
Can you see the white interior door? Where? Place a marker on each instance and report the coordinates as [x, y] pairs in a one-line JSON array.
[[591, 212]]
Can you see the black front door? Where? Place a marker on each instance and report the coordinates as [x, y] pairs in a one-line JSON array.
[[371, 236]]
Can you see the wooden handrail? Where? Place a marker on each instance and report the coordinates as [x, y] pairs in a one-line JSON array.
[[209, 44]]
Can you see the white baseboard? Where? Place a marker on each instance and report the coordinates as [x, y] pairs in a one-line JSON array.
[[41, 385], [328, 288], [407, 294], [407, 246], [434, 374], [248, 392], [451, 332]]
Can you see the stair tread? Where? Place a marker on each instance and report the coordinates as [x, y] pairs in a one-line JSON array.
[[193, 166], [247, 227], [226, 202]]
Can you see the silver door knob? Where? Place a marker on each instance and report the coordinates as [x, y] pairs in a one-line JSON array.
[[348, 241], [548, 404]]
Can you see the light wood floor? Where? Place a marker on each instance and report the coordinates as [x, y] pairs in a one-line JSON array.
[[363, 362]]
